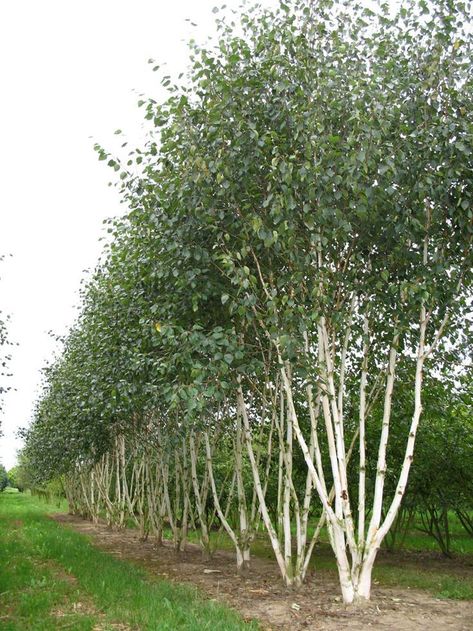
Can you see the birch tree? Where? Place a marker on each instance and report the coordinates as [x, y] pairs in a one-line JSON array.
[[299, 236], [326, 156]]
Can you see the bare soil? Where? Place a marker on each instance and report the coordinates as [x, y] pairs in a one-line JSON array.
[[261, 595]]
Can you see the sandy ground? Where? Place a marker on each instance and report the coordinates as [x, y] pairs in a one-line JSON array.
[[261, 596]]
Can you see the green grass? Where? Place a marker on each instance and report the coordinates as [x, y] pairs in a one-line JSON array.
[[439, 583], [53, 578], [461, 541]]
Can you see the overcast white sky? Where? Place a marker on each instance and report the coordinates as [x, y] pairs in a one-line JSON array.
[[69, 70]]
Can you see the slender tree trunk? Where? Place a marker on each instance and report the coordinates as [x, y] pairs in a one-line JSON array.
[[198, 495], [241, 409]]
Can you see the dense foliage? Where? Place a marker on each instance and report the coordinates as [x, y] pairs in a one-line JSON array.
[[21, 476], [297, 248]]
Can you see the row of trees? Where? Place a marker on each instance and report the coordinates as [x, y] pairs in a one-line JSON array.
[[15, 477], [22, 477], [297, 248]]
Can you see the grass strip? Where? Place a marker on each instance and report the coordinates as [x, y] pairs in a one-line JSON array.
[[33, 545]]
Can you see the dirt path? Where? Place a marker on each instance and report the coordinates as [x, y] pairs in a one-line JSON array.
[[316, 607]]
